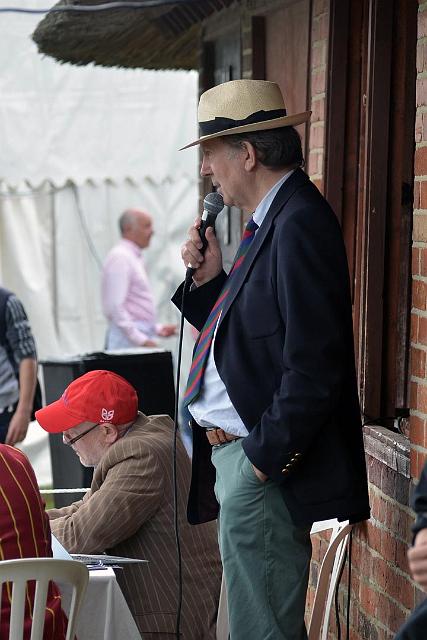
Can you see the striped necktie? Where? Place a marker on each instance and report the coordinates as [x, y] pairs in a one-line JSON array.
[[201, 352]]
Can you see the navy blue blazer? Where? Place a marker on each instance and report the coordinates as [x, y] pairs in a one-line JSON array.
[[284, 349]]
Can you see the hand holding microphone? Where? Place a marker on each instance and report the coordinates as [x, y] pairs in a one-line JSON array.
[[201, 253]]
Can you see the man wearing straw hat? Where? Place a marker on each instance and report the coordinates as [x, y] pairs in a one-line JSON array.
[[272, 388]]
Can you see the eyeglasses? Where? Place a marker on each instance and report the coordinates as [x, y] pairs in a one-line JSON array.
[[73, 440]]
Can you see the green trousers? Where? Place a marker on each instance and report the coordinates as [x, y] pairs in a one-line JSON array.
[[266, 558]]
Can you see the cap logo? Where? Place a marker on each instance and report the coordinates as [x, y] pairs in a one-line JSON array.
[[107, 415]]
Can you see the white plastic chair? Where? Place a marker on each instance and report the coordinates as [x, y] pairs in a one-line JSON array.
[[326, 584], [328, 575], [42, 570]]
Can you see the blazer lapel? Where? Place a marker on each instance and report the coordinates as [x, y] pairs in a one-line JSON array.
[[297, 179]]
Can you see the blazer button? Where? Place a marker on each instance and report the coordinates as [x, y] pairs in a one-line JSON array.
[[285, 471]]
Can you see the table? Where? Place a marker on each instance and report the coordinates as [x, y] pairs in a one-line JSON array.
[[105, 614]]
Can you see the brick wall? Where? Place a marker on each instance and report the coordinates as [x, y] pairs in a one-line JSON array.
[[419, 261], [382, 591], [318, 80]]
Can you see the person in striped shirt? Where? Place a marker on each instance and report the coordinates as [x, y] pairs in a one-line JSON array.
[[25, 533]]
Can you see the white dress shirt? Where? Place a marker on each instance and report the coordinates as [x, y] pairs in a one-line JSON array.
[[213, 407]]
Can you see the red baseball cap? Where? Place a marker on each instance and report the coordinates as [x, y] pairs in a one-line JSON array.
[[97, 396]]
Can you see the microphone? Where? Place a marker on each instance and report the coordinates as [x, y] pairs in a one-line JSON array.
[[212, 205]]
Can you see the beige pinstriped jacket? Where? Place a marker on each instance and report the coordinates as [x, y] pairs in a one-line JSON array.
[[129, 511]]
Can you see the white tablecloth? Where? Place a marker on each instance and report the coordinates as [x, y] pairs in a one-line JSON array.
[[105, 614]]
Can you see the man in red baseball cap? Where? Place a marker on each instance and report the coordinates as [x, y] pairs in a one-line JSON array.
[[128, 510]]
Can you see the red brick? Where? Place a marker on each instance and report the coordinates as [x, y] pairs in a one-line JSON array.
[[424, 121], [320, 6], [421, 161], [419, 127], [414, 323], [368, 598], [416, 261], [421, 92], [317, 136], [320, 29], [419, 294], [414, 395], [403, 522], [420, 57], [356, 551], [422, 330], [418, 361], [399, 588], [376, 511], [318, 110], [388, 546], [423, 194], [389, 613], [422, 24], [419, 231], [366, 561], [417, 194], [417, 430], [318, 85], [417, 460], [316, 548], [422, 398], [423, 261], [374, 537], [314, 163], [402, 556], [318, 59], [413, 463]]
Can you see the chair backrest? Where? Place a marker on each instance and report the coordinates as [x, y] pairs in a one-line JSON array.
[[42, 570], [328, 575]]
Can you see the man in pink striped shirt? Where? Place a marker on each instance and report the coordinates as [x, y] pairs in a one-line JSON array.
[[127, 298]]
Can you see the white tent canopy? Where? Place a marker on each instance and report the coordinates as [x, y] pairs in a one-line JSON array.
[[64, 122], [79, 145]]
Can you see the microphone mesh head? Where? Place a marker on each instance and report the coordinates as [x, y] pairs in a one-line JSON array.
[[213, 203]]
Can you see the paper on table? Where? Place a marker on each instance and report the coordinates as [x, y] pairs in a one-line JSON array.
[[102, 558], [60, 552]]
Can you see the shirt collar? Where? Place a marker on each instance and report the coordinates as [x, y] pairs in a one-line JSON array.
[[131, 246], [263, 207]]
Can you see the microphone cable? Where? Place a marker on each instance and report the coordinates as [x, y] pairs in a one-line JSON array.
[[212, 204], [174, 470]]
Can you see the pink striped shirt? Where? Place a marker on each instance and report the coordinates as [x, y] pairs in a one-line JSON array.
[[127, 298]]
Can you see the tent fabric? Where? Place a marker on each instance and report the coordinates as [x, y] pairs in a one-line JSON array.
[[80, 145], [53, 242], [61, 122]]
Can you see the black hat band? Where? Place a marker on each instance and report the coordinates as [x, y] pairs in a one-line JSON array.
[[210, 127]]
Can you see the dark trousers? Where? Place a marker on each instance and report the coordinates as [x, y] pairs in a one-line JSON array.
[[5, 418], [415, 628]]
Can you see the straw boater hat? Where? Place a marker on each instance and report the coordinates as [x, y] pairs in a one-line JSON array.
[[240, 106]]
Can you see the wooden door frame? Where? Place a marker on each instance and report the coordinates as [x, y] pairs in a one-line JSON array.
[[368, 177]]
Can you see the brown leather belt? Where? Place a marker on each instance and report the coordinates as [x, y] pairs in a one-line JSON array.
[[219, 436]]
